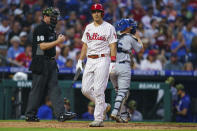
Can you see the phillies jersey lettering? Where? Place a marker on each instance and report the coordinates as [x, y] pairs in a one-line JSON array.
[[99, 37], [95, 36]]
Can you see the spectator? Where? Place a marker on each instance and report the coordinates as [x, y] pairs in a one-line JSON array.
[[147, 18], [169, 12], [151, 63], [76, 58], [141, 30], [15, 49], [45, 112], [173, 64], [59, 58], [138, 59], [161, 57], [3, 44], [182, 107], [152, 32], [77, 41], [37, 19], [65, 52], [188, 34], [72, 52], [24, 58], [3, 48], [193, 57], [178, 46], [188, 66], [69, 63], [15, 30], [24, 39], [137, 11], [135, 114], [4, 25], [89, 115]]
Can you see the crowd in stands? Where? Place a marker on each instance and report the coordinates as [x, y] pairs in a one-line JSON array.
[[168, 29]]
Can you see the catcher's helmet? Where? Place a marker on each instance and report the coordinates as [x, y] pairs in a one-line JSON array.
[[98, 7], [122, 24]]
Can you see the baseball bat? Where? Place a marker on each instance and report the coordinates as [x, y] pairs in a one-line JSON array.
[[76, 76]]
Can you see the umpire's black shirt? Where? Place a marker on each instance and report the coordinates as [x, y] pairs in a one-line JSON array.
[[42, 33]]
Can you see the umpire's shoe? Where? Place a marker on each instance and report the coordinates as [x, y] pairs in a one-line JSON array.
[[66, 116], [32, 119]]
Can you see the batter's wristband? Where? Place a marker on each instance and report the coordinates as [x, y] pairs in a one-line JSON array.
[[113, 58]]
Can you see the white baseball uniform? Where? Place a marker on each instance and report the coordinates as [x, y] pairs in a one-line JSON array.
[[96, 73]]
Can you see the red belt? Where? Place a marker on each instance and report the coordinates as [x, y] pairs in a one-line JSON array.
[[96, 56]]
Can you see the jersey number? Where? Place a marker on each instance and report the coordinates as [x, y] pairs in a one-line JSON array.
[[40, 38]]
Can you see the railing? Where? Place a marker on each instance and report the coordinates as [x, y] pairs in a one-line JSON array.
[[133, 72]]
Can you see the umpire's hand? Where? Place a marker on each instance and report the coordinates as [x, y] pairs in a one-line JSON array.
[[61, 38]]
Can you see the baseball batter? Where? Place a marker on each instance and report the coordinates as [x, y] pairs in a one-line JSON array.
[[99, 43], [120, 75]]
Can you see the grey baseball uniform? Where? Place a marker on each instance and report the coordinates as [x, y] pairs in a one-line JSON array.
[[121, 75]]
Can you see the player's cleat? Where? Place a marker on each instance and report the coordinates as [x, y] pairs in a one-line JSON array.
[[107, 109], [66, 116], [113, 117], [96, 124], [121, 120], [32, 119], [118, 119]]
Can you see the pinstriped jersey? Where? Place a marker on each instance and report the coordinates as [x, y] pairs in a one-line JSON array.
[[124, 46], [99, 37]]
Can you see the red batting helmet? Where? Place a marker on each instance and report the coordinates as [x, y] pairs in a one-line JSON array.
[[97, 7]]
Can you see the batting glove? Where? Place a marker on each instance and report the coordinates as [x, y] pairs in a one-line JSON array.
[[79, 65], [112, 67]]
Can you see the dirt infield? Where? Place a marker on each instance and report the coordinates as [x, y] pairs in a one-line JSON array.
[[108, 125]]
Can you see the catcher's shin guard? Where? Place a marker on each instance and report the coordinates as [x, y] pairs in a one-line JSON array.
[[121, 98]]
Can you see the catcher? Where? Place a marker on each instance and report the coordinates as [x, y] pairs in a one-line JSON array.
[[120, 75]]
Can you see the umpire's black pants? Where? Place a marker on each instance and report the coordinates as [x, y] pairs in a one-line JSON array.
[[44, 84]]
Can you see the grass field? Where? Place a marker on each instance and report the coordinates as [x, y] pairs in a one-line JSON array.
[[83, 126]]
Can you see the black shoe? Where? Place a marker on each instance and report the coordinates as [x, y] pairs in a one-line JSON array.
[[32, 119], [67, 116]]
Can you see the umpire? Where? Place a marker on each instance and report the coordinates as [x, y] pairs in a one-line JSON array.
[[44, 69]]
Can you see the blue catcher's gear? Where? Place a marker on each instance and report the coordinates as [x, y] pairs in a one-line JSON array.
[[122, 24], [133, 24]]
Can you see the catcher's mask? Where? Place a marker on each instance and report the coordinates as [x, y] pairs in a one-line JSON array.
[[53, 14], [132, 23]]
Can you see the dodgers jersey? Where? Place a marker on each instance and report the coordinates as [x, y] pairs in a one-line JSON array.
[[99, 37], [126, 43]]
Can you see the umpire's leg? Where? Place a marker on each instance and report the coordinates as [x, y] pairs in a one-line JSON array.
[[36, 94], [55, 91]]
